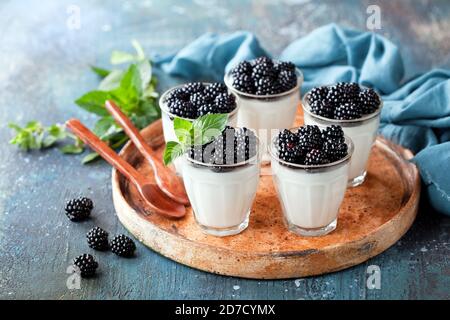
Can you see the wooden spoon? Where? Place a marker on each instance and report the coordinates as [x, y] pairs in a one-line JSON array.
[[166, 179], [150, 193]]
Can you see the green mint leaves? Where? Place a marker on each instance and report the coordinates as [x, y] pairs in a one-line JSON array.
[[35, 136], [198, 132], [132, 88]]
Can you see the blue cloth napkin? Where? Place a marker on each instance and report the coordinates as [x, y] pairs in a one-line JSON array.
[[416, 112]]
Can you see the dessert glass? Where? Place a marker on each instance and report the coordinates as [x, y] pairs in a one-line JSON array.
[[362, 132], [266, 113], [310, 195], [222, 195], [167, 123]]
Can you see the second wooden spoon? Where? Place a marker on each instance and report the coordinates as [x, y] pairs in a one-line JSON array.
[[166, 179]]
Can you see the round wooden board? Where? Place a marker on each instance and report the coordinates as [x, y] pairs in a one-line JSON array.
[[371, 219]]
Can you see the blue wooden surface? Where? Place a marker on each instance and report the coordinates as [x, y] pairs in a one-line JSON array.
[[44, 67]]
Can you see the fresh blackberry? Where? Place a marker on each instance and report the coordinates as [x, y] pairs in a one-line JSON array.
[[193, 87], [334, 150], [322, 108], [79, 209], [335, 97], [288, 147], [97, 238], [310, 137], [243, 67], [214, 89], [86, 265], [184, 109], [244, 83], [225, 102], [286, 66], [198, 99], [122, 246], [369, 101], [347, 111], [206, 109], [263, 68], [317, 94], [287, 80], [263, 86], [177, 94], [315, 157], [333, 133], [348, 90]]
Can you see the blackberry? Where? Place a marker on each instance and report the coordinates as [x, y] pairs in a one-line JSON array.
[[288, 147], [263, 68], [184, 109], [310, 137], [322, 108], [348, 90], [334, 150], [287, 80], [198, 99], [318, 94], [214, 89], [177, 94], [193, 87], [225, 102], [369, 101], [285, 66], [122, 246], [333, 133], [79, 209], [97, 238], [244, 83], [347, 111], [316, 157], [243, 67], [206, 109], [334, 96], [263, 86], [86, 265]]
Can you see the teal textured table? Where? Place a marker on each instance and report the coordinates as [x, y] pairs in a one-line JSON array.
[[44, 62]]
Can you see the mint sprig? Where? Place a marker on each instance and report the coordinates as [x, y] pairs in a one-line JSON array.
[[198, 132], [132, 88]]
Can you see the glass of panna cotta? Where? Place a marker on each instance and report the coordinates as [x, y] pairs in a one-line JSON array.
[[310, 170], [221, 181], [267, 93], [357, 110], [192, 100]]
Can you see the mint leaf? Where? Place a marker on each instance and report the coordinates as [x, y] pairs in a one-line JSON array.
[[100, 71], [208, 127], [94, 101], [111, 81], [71, 149], [119, 57], [172, 151], [140, 54], [183, 130], [90, 157], [145, 72]]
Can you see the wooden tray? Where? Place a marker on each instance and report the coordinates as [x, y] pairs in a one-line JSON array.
[[372, 218]]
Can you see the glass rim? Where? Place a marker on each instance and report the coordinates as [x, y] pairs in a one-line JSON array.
[[253, 160], [164, 107], [307, 108], [227, 79], [350, 149]]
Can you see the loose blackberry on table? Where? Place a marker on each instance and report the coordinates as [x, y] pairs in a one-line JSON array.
[[263, 76], [196, 99], [97, 238], [343, 101], [86, 265], [310, 145], [79, 209], [122, 246]]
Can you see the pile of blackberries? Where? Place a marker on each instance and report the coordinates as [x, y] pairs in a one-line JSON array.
[[196, 99], [263, 76], [343, 101], [311, 146], [233, 146]]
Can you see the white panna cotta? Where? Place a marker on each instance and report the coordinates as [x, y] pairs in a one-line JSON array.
[[167, 122], [311, 195], [362, 132], [266, 113]]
